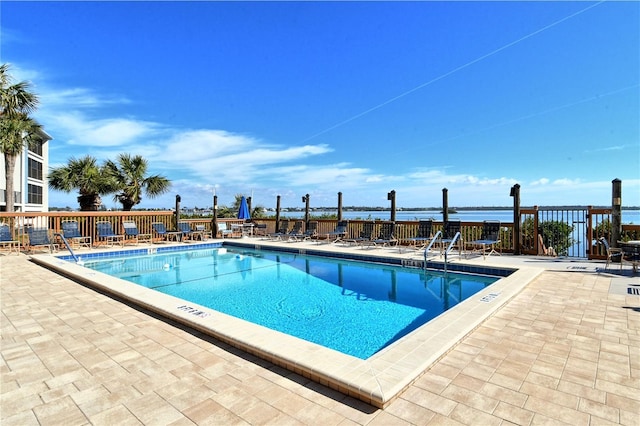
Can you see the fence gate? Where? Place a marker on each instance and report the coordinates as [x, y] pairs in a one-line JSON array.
[[569, 232], [599, 225]]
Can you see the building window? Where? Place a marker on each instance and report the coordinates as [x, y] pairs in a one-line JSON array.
[[36, 148], [35, 194], [35, 169]]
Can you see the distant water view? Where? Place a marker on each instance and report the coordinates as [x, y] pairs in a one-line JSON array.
[[628, 216]]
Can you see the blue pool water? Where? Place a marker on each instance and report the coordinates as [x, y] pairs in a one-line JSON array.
[[354, 307]]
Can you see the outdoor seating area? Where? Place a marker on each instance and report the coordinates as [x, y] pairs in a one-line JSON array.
[[428, 238]]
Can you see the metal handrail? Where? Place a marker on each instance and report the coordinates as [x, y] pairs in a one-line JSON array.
[[451, 244], [433, 241], [66, 243]]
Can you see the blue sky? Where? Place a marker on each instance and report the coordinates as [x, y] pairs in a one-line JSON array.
[[290, 98]]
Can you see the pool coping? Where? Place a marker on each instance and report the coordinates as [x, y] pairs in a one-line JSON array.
[[377, 380]]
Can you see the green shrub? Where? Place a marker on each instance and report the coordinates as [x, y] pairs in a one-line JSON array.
[[554, 234], [557, 235]]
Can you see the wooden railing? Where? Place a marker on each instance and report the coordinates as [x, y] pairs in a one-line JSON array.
[[405, 229], [19, 222], [597, 221]]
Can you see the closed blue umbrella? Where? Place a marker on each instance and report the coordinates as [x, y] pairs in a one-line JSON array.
[[243, 211]]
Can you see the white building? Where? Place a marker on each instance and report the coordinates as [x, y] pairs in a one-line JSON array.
[[30, 183]]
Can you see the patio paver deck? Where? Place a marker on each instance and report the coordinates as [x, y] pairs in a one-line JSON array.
[[565, 350]]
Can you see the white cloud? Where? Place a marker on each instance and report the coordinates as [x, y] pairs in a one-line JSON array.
[[610, 148], [541, 181], [22, 74], [77, 98], [197, 161], [227, 156], [75, 128]]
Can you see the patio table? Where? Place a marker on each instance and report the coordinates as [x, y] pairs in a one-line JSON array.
[[245, 228], [631, 253]]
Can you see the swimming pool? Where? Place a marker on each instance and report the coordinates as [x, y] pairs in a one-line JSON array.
[[354, 307], [377, 380]]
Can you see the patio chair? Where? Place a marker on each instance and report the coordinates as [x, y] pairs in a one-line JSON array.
[[295, 232], [39, 238], [204, 232], [365, 238], [543, 250], [612, 252], [423, 235], [7, 243], [71, 233], [225, 231], [163, 235], [188, 233], [489, 238], [338, 233], [260, 230], [282, 230], [132, 234], [386, 237], [449, 231], [309, 233], [106, 234]]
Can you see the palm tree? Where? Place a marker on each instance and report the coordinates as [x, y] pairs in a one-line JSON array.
[[87, 177], [16, 127], [15, 98], [15, 133], [129, 175]]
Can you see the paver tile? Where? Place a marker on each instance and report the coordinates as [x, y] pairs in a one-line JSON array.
[[564, 350]]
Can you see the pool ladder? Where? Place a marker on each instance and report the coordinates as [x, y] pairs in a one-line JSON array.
[[66, 243], [446, 252], [433, 241]]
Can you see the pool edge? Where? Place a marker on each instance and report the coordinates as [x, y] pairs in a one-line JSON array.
[[376, 381]]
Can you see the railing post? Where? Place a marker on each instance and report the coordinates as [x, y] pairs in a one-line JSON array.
[[177, 211], [515, 193], [278, 213], [445, 205], [391, 196], [214, 220], [305, 200], [616, 212], [536, 240]]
